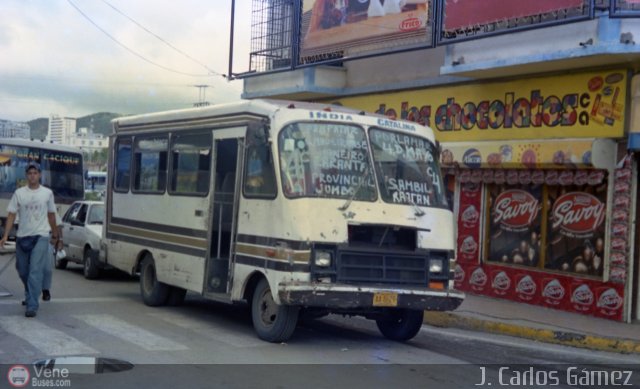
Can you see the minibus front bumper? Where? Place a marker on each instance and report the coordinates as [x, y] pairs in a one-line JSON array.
[[347, 297]]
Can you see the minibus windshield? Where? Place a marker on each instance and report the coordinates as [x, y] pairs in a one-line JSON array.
[[329, 160], [407, 169]]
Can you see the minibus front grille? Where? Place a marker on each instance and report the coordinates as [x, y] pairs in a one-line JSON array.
[[382, 268]]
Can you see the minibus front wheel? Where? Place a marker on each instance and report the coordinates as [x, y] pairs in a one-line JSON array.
[[271, 321], [401, 324]]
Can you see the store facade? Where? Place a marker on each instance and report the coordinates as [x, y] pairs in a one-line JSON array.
[[540, 182]]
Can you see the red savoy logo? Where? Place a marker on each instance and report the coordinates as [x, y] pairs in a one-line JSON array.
[[553, 292], [578, 212], [478, 279], [515, 209], [582, 297], [458, 274], [610, 299], [526, 288], [501, 283]]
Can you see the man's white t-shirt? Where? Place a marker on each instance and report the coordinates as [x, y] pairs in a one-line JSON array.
[[32, 207]]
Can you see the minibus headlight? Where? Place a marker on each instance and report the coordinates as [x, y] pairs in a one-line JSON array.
[[322, 258], [435, 266]]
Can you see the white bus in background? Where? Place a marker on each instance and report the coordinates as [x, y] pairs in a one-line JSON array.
[[96, 182], [295, 208], [62, 171]]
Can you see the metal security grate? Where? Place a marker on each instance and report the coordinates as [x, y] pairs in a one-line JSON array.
[[272, 24]]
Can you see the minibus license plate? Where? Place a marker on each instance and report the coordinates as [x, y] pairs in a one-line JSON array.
[[385, 299]]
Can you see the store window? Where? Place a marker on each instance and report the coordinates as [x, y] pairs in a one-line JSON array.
[[555, 224]]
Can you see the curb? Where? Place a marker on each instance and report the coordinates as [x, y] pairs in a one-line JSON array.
[[451, 320]]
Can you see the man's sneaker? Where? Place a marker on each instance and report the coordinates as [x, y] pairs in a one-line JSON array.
[[30, 314], [46, 295]]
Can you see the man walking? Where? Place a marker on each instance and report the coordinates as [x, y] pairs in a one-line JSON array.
[[34, 205]]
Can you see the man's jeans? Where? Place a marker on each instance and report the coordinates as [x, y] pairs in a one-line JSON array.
[[31, 267], [48, 269]]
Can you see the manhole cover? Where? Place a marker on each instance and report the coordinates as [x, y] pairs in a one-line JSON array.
[[84, 365]]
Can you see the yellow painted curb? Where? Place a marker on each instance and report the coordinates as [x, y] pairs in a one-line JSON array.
[[446, 319]]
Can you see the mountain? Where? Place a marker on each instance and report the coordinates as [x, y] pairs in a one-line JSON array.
[[101, 124], [39, 128]]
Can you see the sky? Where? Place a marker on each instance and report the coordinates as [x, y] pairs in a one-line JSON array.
[[77, 57]]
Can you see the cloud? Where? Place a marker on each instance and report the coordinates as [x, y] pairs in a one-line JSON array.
[[56, 61]]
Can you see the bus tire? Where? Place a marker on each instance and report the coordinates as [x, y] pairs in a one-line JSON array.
[[176, 296], [272, 322], [154, 293], [90, 267], [401, 324]]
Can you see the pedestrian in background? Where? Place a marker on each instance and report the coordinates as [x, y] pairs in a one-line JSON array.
[[34, 205]]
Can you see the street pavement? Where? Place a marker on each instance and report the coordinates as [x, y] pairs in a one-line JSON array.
[[479, 313]]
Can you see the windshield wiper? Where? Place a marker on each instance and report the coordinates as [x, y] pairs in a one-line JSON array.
[[346, 205], [416, 210]]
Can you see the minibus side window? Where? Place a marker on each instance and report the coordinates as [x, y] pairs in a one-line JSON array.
[[123, 165], [190, 164], [150, 164], [259, 173]]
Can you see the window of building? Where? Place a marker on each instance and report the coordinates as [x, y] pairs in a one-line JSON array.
[[150, 164], [554, 227], [190, 164]]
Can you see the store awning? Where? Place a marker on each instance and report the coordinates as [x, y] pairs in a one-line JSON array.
[[531, 154]]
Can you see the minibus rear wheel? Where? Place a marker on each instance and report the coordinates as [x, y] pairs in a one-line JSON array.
[[154, 293], [272, 322], [401, 324]]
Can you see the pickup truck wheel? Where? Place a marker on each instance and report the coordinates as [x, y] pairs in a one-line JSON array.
[[401, 324], [154, 293]]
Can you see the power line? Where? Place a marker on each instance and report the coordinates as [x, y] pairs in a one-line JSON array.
[[163, 40], [129, 49]]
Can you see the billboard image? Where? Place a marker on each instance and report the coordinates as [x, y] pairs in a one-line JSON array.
[[339, 28], [469, 17]]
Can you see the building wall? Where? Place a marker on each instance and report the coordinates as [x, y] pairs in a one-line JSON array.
[[61, 129], [11, 129], [428, 78]]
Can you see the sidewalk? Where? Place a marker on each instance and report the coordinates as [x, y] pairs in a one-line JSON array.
[[479, 313]]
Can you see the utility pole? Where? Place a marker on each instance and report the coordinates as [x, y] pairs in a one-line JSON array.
[[201, 96]]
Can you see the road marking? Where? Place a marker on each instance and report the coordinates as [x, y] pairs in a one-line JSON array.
[[210, 330], [131, 333], [46, 339], [71, 300]]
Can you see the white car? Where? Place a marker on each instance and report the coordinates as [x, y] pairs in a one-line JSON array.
[[81, 236]]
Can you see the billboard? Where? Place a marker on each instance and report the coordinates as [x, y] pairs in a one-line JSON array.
[[334, 29], [466, 18], [625, 8], [585, 105]]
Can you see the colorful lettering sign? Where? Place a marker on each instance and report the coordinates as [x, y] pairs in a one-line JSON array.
[[584, 105]]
